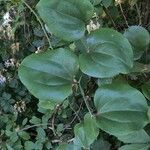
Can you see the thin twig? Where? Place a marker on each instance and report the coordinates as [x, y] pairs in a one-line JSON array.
[[38, 19], [53, 117], [60, 141], [84, 98], [139, 14], [36, 125], [107, 13], [123, 15], [76, 112]]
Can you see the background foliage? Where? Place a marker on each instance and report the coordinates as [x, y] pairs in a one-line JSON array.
[[27, 123]]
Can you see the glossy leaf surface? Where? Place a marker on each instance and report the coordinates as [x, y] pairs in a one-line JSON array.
[[49, 75], [135, 147], [138, 37], [121, 109], [66, 18], [136, 137], [107, 54]]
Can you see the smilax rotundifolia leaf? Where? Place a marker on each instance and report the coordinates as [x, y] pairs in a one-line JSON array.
[[139, 38], [121, 109], [49, 75], [66, 19], [107, 54], [86, 132]]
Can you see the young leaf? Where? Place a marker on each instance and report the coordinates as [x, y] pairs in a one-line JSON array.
[[35, 120], [41, 135], [47, 104], [28, 145], [66, 18], [135, 147], [86, 132], [49, 75], [108, 53], [121, 109], [24, 135]]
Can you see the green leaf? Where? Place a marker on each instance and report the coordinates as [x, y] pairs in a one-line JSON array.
[[35, 120], [66, 18], [102, 81], [49, 75], [139, 38], [95, 2], [121, 109], [86, 132], [14, 137], [29, 145], [136, 137], [24, 135], [63, 146], [101, 145], [47, 104], [146, 90], [24, 122], [39, 145], [48, 145], [41, 135], [9, 147], [148, 113], [66, 146], [106, 3], [108, 53], [135, 147]]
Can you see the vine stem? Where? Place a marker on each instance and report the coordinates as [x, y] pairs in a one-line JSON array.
[[41, 24], [84, 98], [36, 125], [123, 15], [107, 13], [138, 12]]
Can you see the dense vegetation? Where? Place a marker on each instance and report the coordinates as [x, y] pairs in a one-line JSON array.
[[74, 74]]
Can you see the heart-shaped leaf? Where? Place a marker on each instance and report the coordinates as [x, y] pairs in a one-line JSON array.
[[139, 38], [49, 75], [121, 109], [86, 132], [66, 18], [107, 54]]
